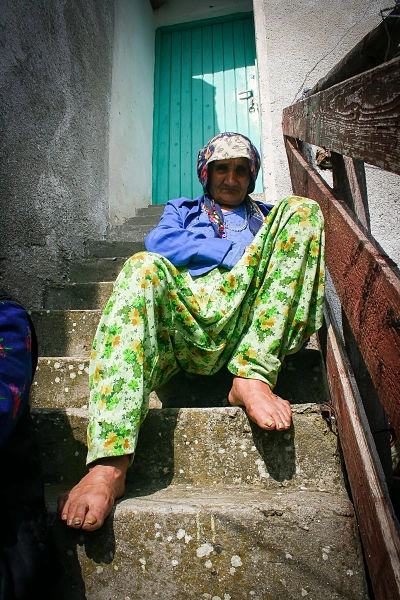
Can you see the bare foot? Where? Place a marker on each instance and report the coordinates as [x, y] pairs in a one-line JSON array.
[[263, 407], [88, 503]]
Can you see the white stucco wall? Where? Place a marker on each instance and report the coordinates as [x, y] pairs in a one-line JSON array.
[[298, 43], [131, 114]]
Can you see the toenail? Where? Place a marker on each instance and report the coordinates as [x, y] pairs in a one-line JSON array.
[[77, 521]]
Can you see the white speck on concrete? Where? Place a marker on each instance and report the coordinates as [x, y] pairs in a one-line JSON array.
[[232, 570], [115, 567], [174, 563], [72, 375], [169, 538], [99, 569], [57, 365], [204, 550], [208, 564], [57, 380], [304, 592], [221, 450], [350, 572], [287, 555], [236, 561], [157, 525], [261, 468], [66, 390], [180, 534]]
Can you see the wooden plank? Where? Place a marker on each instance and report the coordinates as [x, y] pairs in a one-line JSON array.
[[366, 281], [377, 523], [359, 117]]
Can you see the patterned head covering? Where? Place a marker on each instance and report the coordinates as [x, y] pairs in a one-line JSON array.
[[224, 146]]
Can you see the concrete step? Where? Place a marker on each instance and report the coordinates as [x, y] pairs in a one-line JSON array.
[[78, 296], [143, 217], [65, 332], [132, 231], [153, 209], [110, 249], [96, 269], [200, 447], [222, 542], [63, 382]]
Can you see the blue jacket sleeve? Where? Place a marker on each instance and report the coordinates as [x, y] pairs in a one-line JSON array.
[[16, 369], [185, 247]]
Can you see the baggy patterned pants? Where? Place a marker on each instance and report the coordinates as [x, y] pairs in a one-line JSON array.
[[160, 320]]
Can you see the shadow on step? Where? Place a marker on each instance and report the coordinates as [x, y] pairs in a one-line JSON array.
[[301, 381]]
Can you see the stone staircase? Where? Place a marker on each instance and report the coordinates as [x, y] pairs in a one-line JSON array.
[[215, 508]]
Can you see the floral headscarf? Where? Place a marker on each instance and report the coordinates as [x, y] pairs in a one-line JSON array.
[[224, 146]]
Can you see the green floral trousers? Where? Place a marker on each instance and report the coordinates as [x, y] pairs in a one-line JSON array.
[[160, 320]]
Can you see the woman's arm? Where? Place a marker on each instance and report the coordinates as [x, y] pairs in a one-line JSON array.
[[186, 247]]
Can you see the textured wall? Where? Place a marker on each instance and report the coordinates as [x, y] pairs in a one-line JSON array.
[[55, 86], [298, 42]]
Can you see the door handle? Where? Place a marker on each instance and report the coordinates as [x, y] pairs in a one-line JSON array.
[[245, 95]]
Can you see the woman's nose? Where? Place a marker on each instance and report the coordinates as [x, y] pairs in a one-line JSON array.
[[231, 176]]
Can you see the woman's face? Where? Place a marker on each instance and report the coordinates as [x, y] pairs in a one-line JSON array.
[[228, 181]]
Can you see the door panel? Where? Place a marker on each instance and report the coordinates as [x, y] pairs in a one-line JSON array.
[[205, 83]]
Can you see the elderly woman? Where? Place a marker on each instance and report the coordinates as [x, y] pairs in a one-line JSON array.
[[226, 281]]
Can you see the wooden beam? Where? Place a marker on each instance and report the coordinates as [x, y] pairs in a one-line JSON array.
[[378, 525], [359, 117], [366, 281]]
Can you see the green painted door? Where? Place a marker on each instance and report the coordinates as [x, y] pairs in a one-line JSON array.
[[205, 83]]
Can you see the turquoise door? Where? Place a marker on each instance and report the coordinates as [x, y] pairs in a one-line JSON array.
[[205, 83]]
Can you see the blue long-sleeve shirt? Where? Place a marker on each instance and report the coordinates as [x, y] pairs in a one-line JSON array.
[[186, 237]]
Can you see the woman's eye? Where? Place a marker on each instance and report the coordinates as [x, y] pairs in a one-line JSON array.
[[241, 171]]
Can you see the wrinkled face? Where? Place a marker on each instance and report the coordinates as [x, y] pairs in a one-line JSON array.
[[228, 181]]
